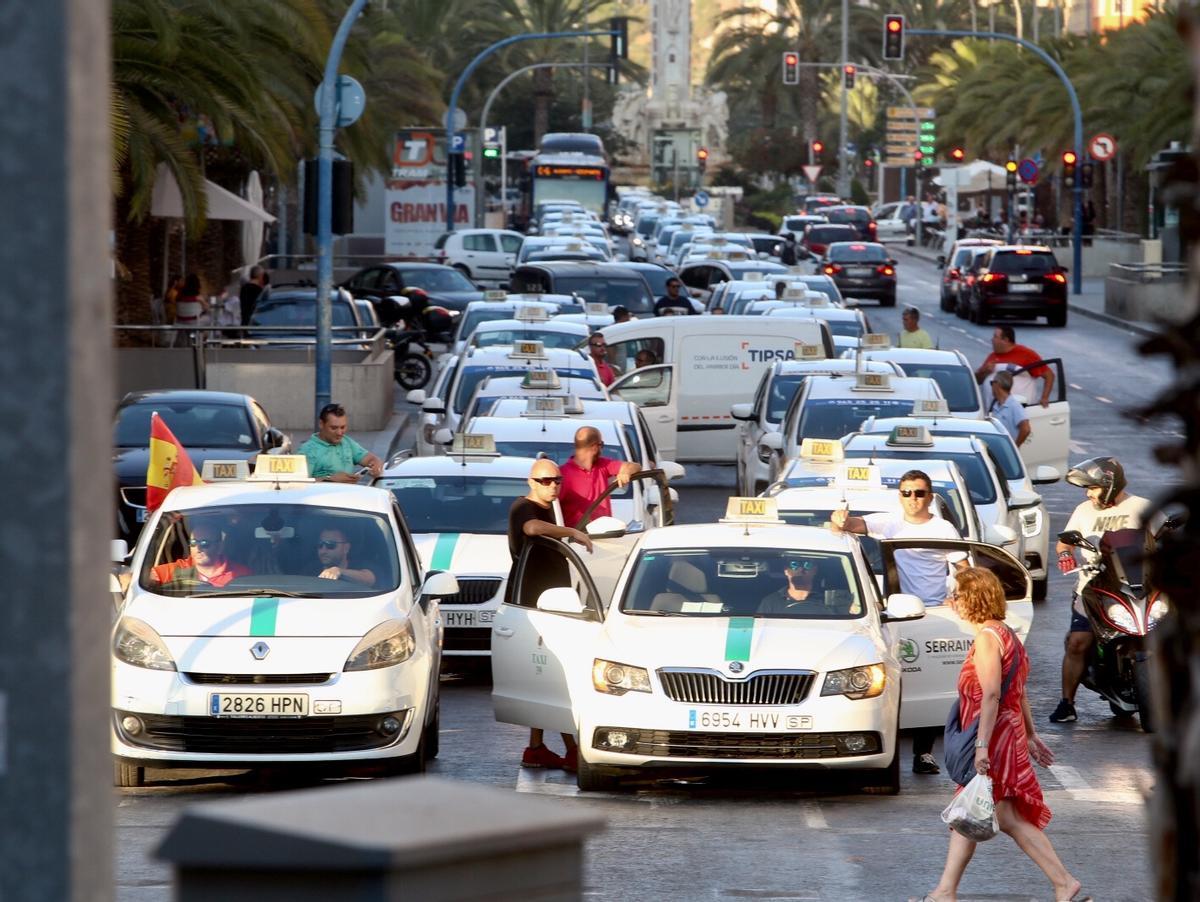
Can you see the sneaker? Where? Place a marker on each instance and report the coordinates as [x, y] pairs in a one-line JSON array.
[[925, 764], [570, 761], [1064, 713], [541, 757]]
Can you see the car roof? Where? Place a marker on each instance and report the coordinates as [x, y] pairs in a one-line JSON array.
[[1010, 248], [553, 431], [941, 472], [186, 395], [554, 324], [707, 535], [951, 444], [327, 494], [401, 264], [824, 387], [949, 424], [832, 364], [917, 355], [472, 465], [832, 497], [864, 244], [555, 357], [581, 268]]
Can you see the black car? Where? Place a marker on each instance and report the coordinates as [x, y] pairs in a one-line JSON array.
[[209, 424], [859, 217], [862, 270], [444, 286], [770, 245], [615, 284], [1020, 283]]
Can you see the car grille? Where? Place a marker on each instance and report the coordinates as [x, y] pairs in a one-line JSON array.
[[257, 679], [473, 591], [707, 687], [254, 736], [468, 638], [134, 495], [795, 746]]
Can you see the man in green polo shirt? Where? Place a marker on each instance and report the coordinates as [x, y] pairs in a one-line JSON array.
[[332, 455]]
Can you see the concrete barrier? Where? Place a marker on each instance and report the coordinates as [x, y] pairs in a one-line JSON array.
[[139, 369], [1148, 294]]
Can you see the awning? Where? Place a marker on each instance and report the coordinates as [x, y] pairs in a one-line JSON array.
[[167, 203], [976, 176]]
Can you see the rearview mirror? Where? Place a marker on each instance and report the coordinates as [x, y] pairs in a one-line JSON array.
[[434, 406], [672, 470], [443, 436], [1000, 535], [1044, 475], [416, 396], [742, 411], [772, 440], [440, 585], [1075, 539], [606, 528], [563, 600], [118, 551], [902, 607]]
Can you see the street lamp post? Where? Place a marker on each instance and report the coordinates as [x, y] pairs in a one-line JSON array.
[[843, 182]]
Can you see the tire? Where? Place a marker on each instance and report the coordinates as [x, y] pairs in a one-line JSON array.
[[946, 305], [886, 782], [589, 778], [959, 310], [413, 370], [888, 301], [126, 774], [1141, 685], [1058, 319], [410, 764], [1039, 588], [433, 738], [981, 315]]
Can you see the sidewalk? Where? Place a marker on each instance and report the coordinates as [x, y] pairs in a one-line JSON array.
[[1089, 303]]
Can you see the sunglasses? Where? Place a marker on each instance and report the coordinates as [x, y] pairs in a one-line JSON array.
[[913, 493], [329, 543], [802, 565], [599, 344], [204, 544], [547, 480]]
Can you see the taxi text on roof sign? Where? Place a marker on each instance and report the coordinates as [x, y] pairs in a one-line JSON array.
[[225, 470], [280, 466], [805, 351], [751, 510], [495, 294], [473, 443], [876, 340], [753, 277], [532, 314], [596, 308], [859, 476], [931, 407], [910, 435], [873, 381], [541, 379], [822, 449], [794, 294], [546, 407], [528, 350]]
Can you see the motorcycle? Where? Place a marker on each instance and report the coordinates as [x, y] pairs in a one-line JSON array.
[[1122, 607], [413, 358]]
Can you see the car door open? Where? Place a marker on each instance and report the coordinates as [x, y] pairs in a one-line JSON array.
[[931, 650], [1049, 441], [654, 389]]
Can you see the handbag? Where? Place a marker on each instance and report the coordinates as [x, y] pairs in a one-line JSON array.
[[959, 742]]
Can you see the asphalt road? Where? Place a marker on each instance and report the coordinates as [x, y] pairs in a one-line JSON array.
[[763, 838]]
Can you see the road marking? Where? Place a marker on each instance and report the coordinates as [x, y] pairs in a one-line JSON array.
[[1103, 399], [1076, 387], [1078, 447], [812, 815], [1080, 790], [1071, 779], [535, 781]]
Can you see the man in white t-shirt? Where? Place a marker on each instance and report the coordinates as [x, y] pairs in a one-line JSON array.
[[1108, 507], [922, 572]]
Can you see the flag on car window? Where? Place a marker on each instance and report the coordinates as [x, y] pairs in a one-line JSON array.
[[169, 464]]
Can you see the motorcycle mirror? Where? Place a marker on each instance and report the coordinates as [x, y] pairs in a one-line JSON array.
[[1075, 538], [1174, 522]]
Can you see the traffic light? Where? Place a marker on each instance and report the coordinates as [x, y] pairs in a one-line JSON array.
[[618, 47], [791, 67], [702, 158], [848, 74], [818, 147], [1069, 159], [957, 155], [1010, 168], [869, 164], [458, 169], [893, 37], [918, 157], [491, 151], [1087, 175]]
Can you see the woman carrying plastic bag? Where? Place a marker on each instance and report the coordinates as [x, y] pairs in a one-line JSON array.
[[1005, 743]]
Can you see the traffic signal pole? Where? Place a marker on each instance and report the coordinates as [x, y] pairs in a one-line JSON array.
[[1076, 187], [843, 179]]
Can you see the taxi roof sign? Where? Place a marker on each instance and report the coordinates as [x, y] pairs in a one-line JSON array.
[[551, 406], [596, 308], [875, 340], [931, 407], [911, 436], [872, 381], [532, 314], [753, 277], [541, 379], [858, 476], [752, 510], [468, 443], [280, 467], [816, 299], [528, 350], [794, 293], [225, 470], [822, 449], [805, 351], [495, 294]]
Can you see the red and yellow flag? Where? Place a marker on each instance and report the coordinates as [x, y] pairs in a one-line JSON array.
[[169, 464]]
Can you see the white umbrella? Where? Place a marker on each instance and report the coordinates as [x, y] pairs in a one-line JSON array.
[[974, 177], [252, 229]]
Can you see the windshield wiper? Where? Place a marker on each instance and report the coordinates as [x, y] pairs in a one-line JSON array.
[[255, 593]]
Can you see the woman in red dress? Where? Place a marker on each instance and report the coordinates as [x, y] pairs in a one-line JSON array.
[[1006, 740]]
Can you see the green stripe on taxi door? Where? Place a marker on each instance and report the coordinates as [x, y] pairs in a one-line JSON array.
[[738, 637], [443, 551], [262, 616]]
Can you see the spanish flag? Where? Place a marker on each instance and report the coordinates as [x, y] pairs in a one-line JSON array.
[[169, 464]]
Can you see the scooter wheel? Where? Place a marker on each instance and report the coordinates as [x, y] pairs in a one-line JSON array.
[[413, 371], [1141, 685]]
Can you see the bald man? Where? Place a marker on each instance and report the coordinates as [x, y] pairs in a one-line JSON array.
[[586, 476], [533, 515]]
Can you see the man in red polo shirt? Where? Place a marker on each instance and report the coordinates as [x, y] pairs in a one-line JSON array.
[[586, 475], [1008, 355], [206, 564], [599, 348]]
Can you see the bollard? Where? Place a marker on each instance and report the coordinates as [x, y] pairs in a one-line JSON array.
[[418, 838]]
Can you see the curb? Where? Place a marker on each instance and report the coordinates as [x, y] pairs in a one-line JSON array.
[[1143, 329]]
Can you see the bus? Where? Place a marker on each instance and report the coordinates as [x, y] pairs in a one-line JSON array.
[[566, 176]]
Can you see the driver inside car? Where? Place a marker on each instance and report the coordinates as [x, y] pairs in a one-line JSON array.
[[799, 588], [333, 552], [207, 562]]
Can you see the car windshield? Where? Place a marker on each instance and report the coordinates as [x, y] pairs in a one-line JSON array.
[[453, 503], [656, 277], [549, 339], [1016, 263], [744, 582], [436, 280], [820, 519], [858, 253], [559, 452], [956, 382], [271, 549], [471, 376], [199, 425], [847, 328], [835, 417], [740, 271], [1004, 452], [848, 215], [293, 311], [472, 318], [979, 481], [783, 390], [632, 294]]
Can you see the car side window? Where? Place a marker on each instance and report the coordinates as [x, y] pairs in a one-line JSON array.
[[760, 394], [547, 564], [510, 243], [483, 243], [648, 436], [623, 354], [650, 387], [695, 277], [261, 423]]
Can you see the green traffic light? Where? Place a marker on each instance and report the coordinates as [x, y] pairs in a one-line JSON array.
[[491, 153]]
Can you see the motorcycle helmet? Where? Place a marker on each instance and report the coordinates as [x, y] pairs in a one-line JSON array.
[[1105, 472], [438, 320]]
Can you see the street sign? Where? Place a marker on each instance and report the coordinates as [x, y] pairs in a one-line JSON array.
[[459, 144], [349, 102], [700, 199], [811, 173], [1028, 171], [1103, 147]]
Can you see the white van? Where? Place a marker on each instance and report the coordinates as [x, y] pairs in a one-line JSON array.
[[700, 367]]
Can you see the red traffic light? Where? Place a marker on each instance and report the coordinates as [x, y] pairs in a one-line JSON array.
[[849, 70], [958, 154], [702, 153], [791, 59], [869, 163], [818, 146], [894, 24], [1070, 158], [918, 156]]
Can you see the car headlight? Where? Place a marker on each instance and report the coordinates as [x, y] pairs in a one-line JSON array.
[[637, 242], [1159, 608], [1031, 522], [612, 678], [390, 643], [856, 682], [136, 643], [1120, 617]]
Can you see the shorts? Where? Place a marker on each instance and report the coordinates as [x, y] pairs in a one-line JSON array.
[[1079, 623]]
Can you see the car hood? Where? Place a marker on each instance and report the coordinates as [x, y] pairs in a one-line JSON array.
[[258, 616], [130, 463], [464, 554], [759, 643]]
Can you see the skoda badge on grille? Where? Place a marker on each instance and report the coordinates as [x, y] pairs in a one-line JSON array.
[[735, 667], [260, 650]]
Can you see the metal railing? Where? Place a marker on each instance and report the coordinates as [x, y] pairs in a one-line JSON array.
[[1149, 272], [230, 336]]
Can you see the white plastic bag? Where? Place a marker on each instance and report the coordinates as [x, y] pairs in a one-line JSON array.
[[972, 813]]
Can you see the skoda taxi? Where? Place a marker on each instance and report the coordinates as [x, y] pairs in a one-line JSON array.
[[274, 620]]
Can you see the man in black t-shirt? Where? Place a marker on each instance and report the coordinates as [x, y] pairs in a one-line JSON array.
[[530, 516], [675, 302]]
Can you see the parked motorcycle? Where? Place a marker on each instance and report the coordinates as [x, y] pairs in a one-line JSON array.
[[413, 358], [1122, 607]]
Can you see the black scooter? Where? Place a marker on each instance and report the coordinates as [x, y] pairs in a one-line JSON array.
[[1122, 608]]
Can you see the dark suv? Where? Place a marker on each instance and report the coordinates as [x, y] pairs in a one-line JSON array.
[[859, 217], [1021, 283], [862, 270]]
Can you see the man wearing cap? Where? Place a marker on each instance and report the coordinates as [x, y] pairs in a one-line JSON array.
[[912, 335], [586, 475], [1008, 410], [332, 455]]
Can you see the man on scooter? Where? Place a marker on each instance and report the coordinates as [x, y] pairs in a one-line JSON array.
[[1108, 507]]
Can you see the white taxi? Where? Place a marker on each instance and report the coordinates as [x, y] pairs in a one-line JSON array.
[[522, 388], [689, 649], [273, 620], [501, 305], [552, 334], [949, 369]]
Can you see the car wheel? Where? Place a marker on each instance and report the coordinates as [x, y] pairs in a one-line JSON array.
[[1141, 686], [413, 370], [1039, 589], [1058, 319], [433, 732], [946, 305], [126, 774], [590, 778], [462, 269], [888, 301], [960, 309], [886, 782], [410, 764]]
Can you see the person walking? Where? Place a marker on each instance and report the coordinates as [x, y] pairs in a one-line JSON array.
[[251, 292], [912, 335], [787, 253], [530, 516], [332, 455], [586, 475], [1008, 410], [1006, 742]]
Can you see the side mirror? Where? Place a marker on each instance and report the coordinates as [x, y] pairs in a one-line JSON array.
[[763, 255], [772, 440], [743, 411], [275, 438], [439, 585], [605, 528], [1044, 475], [1074, 538], [901, 607], [1000, 535], [672, 470], [443, 436], [941, 262], [416, 396], [434, 406], [564, 600], [1021, 499], [118, 551]]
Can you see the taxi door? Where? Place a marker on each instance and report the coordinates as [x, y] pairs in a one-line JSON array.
[[931, 650], [655, 389], [1049, 440]]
